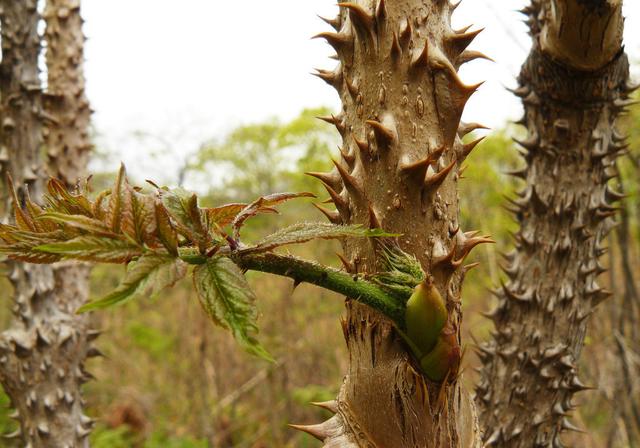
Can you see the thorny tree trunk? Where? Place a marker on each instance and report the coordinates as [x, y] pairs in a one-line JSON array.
[[402, 102], [573, 86], [41, 355]]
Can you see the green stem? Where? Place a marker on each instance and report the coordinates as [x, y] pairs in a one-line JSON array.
[[325, 277]]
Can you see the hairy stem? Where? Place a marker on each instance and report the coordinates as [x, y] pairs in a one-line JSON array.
[[341, 282]]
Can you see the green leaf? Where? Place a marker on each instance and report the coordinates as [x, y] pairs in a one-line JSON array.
[[145, 277], [307, 231], [93, 248], [227, 298], [182, 206]]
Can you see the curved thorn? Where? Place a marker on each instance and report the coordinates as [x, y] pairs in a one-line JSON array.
[[334, 23], [349, 268], [466, 128], [349, 181], [361, 18], [459, 42], [383, 134], [332, 215], [337, 40], [317, 431], [467, 148], [470, 55], [331, 178], [349, 158], [421, 59], [436, 180], [363, 145], [374, 220]]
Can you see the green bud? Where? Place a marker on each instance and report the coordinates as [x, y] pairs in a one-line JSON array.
[[425, 317], [443, 359]]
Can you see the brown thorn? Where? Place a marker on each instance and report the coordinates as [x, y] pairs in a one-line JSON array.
[[330, 77], [405, 33], [396, 49], [331, 406], [317, 431], [332, 215], [345, 263], [466, 149], [334, 121], [361, 18], [337, 40], [374, 220], [381, 10], [436, 180], [331, 178], [363, 145], [353, 89], [466, 128], [470, 55], [417, 169], [422, 59], [340, 203], [459, 42], [349, 158], [383, 134], [446, 261], [334, 23], [349, 181]]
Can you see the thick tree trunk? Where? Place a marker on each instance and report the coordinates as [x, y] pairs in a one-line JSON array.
[[42, 354], [67, 130], [402, 102], [573, 86]]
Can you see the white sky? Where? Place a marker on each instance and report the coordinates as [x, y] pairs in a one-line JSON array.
[[185, 71]]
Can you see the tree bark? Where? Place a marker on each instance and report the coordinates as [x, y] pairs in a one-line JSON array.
[[42, 354], [402, 101], [573, 87]]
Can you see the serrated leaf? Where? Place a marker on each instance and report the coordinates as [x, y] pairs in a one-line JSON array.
[[97, 208], [166, 232], [144, 220], [223, 215], [93, 248], [182, 206], [307, 231], [145, 277], [80, 222], [264, 204], [227, 298], [24, 252], [60, 199], [119, 214]]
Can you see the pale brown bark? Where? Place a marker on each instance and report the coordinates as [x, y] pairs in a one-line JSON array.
[[42, 354], [67, 129], [402, 102], [573, 86]]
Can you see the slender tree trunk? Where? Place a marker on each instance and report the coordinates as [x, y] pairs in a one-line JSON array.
[[42, 354], [573, 86], [402, 102]]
